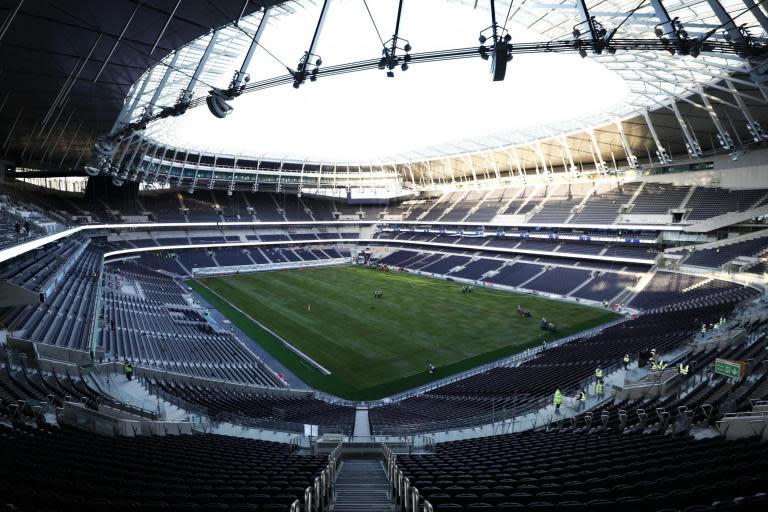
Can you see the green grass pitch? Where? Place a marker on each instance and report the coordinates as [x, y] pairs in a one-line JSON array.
[[376, 347]]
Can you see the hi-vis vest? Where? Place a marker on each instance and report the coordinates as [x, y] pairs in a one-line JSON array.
[[626, 359], [683, 368], [558, 397], [599, 373], [599, 389]]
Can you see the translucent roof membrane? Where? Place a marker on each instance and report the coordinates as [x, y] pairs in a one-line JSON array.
[[433, 109]]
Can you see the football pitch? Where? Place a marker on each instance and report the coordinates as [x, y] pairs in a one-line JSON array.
[[374, 347]]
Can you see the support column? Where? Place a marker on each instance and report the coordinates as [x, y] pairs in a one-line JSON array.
[[722, 134], [664, 20], [563, 140], [163, 81], [189, 91], [661, 153], [631, 158], [131, 102], [539, 150], [691, 144], [752, 125], [600, 164]]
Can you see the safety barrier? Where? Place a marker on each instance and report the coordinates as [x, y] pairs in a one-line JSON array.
[[319, 496], [407, 497]]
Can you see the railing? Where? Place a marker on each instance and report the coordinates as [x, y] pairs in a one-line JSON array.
[[319, 496], [407, 497]]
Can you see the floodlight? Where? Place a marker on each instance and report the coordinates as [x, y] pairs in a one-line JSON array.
[[217, 103]]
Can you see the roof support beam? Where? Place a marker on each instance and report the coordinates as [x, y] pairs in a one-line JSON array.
[[7, 23], [241, 75], [752, 125], [664, 20], [631, 158], [726, 21], [186, 96], [759, 15], [165, 27], [69, 144], [117, 42], [131, 102], [597, 156], [163, 81], [722, 134], [563, 140], [661, 153], [691, 143]]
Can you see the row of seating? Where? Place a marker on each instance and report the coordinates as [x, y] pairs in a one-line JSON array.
[[282, 411], [580, 203], [149, 322]]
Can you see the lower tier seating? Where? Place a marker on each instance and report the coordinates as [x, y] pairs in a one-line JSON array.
[[605, 472], [59, 468]]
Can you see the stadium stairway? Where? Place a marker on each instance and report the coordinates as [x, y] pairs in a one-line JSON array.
[[362, 486], [362, 425]]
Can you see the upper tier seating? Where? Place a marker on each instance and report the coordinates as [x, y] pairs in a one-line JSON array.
[[558, 206], [66, 319], [36, 269], [707, 202], [718, 256], [605, 203], [658, 198]]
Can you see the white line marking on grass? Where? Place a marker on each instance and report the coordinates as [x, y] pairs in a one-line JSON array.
[[285, 342]]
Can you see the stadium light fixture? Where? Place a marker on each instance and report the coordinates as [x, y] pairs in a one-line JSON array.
[[500, 49], [390, 60]]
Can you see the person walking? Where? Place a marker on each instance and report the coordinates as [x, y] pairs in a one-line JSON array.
[[558, 400], [582, 398], [129, 371]]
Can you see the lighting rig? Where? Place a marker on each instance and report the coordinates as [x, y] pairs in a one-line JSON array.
[[217, 99], [678, 41], [303, 71], [495, 45], [499, 51], [390, 60]]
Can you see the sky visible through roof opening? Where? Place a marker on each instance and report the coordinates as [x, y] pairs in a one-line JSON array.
[[366, 116]]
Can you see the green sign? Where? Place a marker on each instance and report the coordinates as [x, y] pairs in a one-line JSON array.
[[728, 368]]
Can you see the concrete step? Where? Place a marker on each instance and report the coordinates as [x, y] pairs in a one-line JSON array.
[[362, 486]]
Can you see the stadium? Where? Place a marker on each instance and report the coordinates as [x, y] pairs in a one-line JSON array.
[[383, 255]]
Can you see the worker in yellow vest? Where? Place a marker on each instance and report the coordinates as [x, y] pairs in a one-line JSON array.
[[683, 369], [599, 374], [625, 361], [582, 398], [558, 400], [599, 390]]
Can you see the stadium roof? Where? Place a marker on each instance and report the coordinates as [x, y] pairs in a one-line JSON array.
[[66, 84]]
